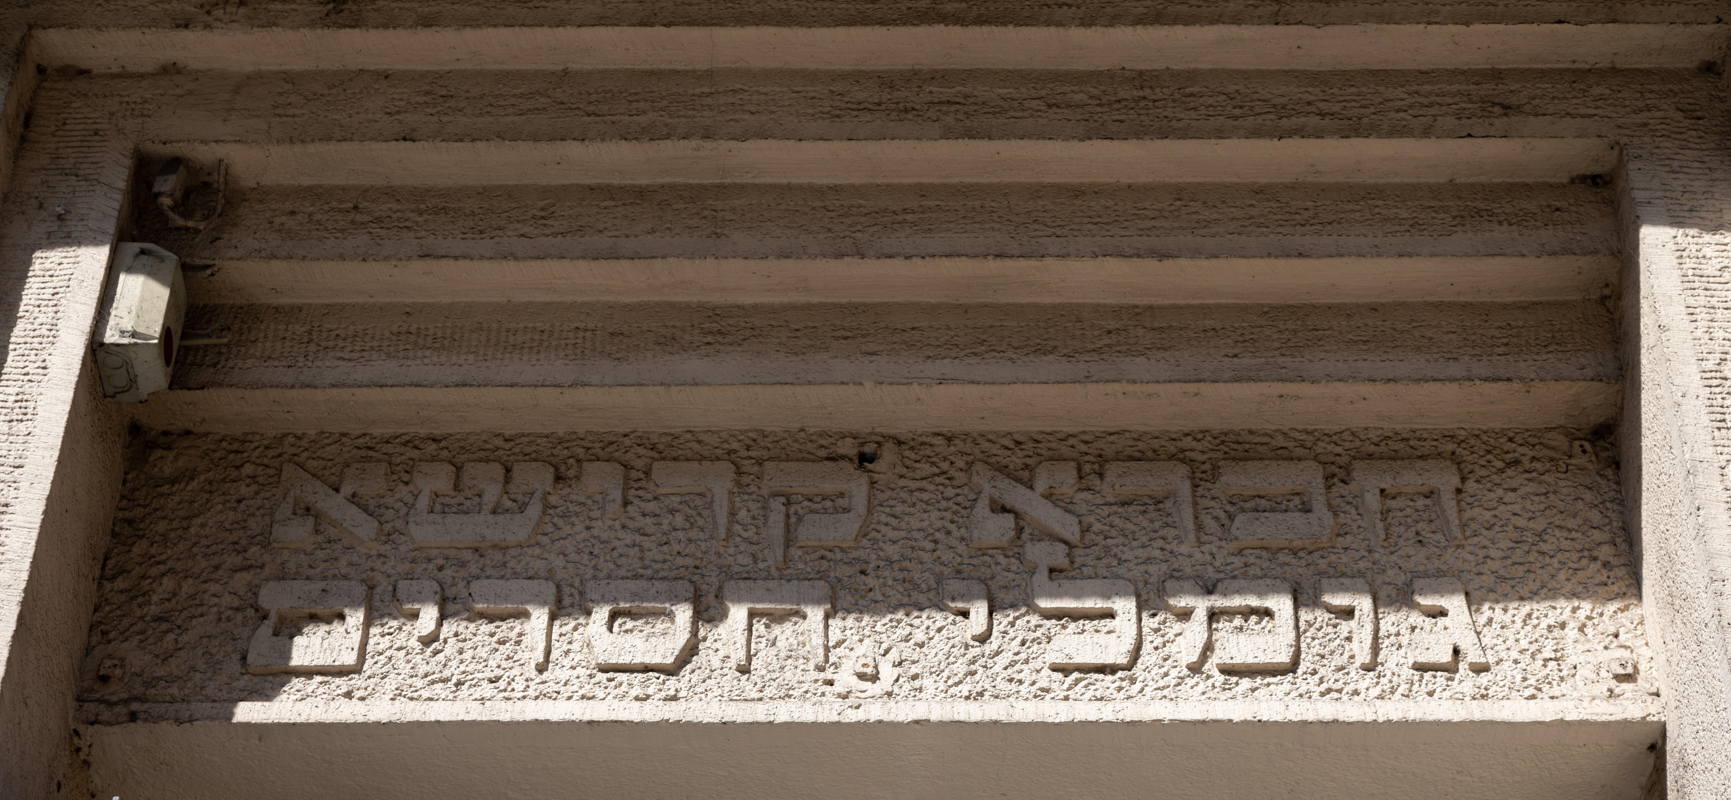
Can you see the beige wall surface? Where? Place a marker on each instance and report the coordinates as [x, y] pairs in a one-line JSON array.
[[887, 398], [1527, 525]]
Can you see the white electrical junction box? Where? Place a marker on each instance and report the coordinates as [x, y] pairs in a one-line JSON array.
[[139, 326]]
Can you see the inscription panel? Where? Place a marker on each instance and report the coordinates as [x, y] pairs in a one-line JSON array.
[[833, 566]]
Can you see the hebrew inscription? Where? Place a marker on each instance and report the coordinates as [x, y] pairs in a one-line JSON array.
[[1312, 527], [1353, 598], [1455, 640], [1274, 649], [784, 478], [489, 526], [420, 601], [1264, 566], [971, 599], [1083, 598], [711, 478], [534, 599], [1438, 477], [1131, 479], [306, 499], [607, 479], [662, 652], [746, 600], [336, 646], [1002, 502]]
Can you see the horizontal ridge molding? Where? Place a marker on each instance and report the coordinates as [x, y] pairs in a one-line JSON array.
[[909, 161], [963, 407], [824, 221], [1235, 712], [921, 47], [937, 280]]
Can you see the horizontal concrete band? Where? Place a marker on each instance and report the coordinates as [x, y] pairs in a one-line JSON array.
[[925, 47], [854, 711], [804, 220], [1061, 406], [1575, 759], [937, 280], [1516, 160]]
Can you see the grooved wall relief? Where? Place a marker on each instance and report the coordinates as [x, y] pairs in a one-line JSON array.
[[683, 567]]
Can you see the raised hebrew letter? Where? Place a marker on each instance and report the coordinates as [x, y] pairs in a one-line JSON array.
[[1353, 597], [607, 479], [624, 652], [746, 599], [537, 599], [1002, 501], [970, 598], [335, 639], [1441, 478], [1272, 651], [1124, 480], [292, 528], [1097, 597], [488, 527], [1278, 529], [420, 600], [1457, 639], [782, 478], [714, 478]]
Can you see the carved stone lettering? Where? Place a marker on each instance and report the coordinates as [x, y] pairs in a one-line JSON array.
[[334, 639], [1125, 480], [1455, 639], [1057, 478], [1353, 597], [782, 478], [1441, 478], [1097, 597], [535, 598], [1313, 527], [972, 599], [488, 527], [622, 652], [814, 600], [605, 478], [1002, 501], [420, 601], [300, 490], [713, 478], [1274, 650]]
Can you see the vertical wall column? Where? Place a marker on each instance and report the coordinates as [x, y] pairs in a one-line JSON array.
[[60, 472], [1676, 443]]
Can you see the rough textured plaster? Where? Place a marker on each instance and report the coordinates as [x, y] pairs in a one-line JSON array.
[[63, 446], [736, 104], [762, 221], [1669, 108], [545, 344], [1674, 482], [1544, 563], [1328, 47]]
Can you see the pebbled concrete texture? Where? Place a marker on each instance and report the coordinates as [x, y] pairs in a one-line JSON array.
[[1543, 560], [1550, 574], [735, 104], [591, 344], [733, 220]]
